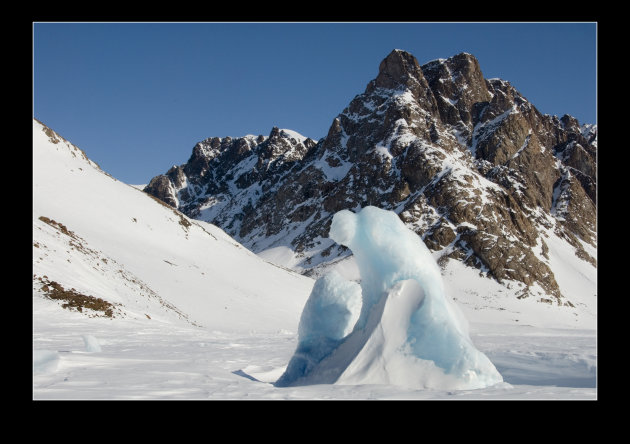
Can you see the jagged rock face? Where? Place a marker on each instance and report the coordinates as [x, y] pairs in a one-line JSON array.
[[467, 163], [459, 86], [162, 188]]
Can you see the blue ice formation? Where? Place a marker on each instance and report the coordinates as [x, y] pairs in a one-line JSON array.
[[328, 316], [407, 331]]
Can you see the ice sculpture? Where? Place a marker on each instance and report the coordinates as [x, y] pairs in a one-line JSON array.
[[407, 332]]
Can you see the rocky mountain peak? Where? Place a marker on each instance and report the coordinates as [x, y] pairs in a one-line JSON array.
[[459, 87], [570, 123], [284, 143], [467, 163], [275, 133], [399, 68]]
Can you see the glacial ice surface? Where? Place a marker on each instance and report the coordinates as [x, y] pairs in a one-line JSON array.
[[407, 332]]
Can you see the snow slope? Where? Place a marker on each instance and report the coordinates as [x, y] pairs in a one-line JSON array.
[[197, 316], [132, 250]]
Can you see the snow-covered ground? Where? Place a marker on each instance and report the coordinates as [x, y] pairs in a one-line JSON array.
[[164, 361], [197, 316]]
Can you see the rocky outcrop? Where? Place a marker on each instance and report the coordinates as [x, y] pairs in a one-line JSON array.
[[467, 162]]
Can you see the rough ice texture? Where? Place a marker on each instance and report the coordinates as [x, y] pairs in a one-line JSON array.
[[408, 331]]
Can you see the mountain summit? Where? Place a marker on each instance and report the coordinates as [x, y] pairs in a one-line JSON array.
[[467, 163], [399, 68]]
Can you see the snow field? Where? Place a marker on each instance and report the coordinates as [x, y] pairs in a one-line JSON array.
[[140, 360]]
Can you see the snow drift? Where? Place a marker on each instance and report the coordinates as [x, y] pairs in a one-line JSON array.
[[407, 331]]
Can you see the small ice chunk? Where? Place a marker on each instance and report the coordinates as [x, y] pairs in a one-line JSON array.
[[91, 344], [45, 361]]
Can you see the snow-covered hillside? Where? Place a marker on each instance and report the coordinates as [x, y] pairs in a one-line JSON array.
[[123, 246], [160, 306]]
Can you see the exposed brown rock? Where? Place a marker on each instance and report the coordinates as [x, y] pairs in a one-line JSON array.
[[162, 188]]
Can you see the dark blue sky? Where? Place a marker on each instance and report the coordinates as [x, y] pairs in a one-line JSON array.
[[136, 97]]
